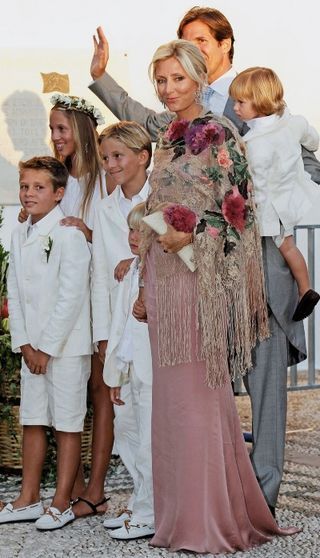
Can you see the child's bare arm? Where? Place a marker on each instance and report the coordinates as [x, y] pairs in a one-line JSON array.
[[102, 347], [79, 224], [122, 269], [36, 361], [115, 396]]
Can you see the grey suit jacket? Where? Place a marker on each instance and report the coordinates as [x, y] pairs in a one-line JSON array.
[[124, 108], [281, 288]]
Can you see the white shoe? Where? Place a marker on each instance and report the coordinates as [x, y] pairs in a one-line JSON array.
[[130, 531], [54, 519], [118, 521], [27, 513]]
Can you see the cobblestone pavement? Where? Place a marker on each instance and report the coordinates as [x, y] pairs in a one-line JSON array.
[[299, 503]]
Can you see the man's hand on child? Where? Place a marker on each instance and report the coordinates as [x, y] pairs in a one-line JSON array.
[[115, 396], [102, 347], [80, 224], [122, 269], [36, 361]]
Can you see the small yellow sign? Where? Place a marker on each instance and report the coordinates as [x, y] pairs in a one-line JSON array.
[[55, 82]]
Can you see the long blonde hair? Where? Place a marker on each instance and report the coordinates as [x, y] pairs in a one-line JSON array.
[[86, 157]]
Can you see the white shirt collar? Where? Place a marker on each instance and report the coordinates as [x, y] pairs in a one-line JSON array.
[[217, 93], [46, 222], [143, 193], [126, 204], [262, 122], [221, 85]]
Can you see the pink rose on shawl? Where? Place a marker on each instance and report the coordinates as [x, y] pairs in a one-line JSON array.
[[223, 159], [234, 209], [201, 136], [181, 218], [213, 231], [176, 129]]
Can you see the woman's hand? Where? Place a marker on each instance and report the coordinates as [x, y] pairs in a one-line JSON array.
[[23, 215], [122, 269], [79, 224], [100, 55], [115, 396], [172, 241]]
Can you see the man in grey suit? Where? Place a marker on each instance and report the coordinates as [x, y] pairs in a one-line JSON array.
[[267, 382]]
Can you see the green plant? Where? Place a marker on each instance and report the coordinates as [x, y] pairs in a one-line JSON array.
[[9, 362], [4, 261]]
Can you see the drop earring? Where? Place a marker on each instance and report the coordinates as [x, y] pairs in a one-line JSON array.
[[198, 96]]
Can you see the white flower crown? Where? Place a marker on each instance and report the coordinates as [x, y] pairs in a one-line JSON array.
[[79, 104]]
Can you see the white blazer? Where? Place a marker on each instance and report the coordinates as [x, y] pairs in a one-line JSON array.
[[122, 299], [109, 246], [283, 190], [49, 300]]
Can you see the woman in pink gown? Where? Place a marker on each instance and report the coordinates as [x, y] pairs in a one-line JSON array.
[[202, 324]]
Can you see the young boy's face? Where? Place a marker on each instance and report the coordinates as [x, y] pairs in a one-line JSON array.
[[245, 110], [134, 241], [120, 162], [36, 193]]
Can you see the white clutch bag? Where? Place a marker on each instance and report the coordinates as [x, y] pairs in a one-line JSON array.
[[156, 222]]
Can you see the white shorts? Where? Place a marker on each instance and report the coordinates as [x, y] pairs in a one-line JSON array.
[[57, 398]]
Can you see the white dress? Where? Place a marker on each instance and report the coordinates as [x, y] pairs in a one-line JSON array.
[[284, 192], [72, 199]]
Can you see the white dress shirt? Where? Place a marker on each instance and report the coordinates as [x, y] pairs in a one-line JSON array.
[[126, 204], [216, 94]]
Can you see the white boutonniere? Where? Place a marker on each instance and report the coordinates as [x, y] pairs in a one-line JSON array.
[[47, 247]]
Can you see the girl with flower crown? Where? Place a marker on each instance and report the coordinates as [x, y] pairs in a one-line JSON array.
[[203, 324], [73, 123]]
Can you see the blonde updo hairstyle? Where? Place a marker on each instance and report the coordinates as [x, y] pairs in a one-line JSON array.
[[262, 87], [189, 56]]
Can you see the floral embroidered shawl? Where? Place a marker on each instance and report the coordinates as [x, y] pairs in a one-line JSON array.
[[201, 165]]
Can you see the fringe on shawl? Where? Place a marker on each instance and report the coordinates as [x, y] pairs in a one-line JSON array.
[[176, 320], [232, 306], [224, 301]]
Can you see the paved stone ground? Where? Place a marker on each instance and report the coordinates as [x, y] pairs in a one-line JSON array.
[[299, 503]]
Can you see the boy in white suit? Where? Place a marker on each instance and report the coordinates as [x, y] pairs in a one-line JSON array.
[[128, 359], [127, 154], [49, 305]]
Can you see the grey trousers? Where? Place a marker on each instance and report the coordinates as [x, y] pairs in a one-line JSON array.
[[266, 385]]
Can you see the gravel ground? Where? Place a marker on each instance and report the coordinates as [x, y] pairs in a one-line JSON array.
[[299, 503]]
